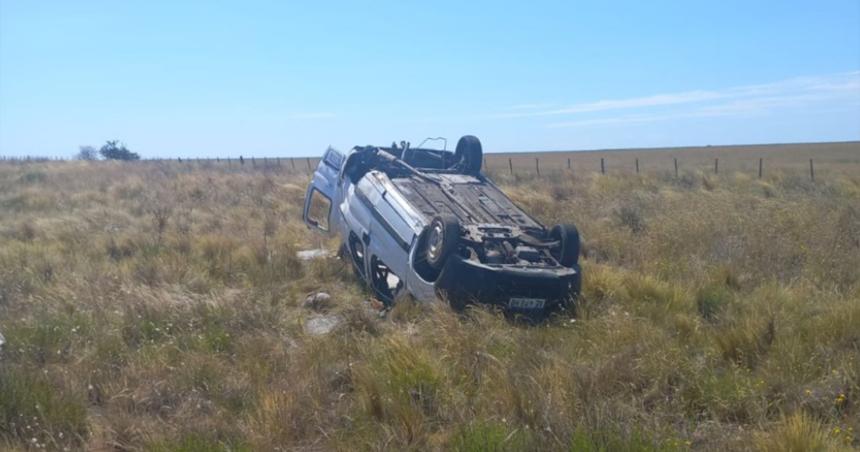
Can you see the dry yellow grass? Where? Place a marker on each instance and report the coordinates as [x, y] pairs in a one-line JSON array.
[[160, 307], [788, 159]]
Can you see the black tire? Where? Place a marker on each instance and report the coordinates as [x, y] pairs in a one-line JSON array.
[[355, 250], [469, 155], [443, 234], [567, 252]]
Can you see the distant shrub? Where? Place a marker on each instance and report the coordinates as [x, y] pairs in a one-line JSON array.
[[114, 150], [87, 153]]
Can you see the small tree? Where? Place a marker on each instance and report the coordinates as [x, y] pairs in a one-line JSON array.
[[114, 150], [87, 153]]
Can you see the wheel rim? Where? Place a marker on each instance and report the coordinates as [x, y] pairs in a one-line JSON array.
[[434, 242]]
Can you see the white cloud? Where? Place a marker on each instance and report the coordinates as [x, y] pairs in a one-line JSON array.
[[626, 119], [636, 102], [740, 99], [802, 92]]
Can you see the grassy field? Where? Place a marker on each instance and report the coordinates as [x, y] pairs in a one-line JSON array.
[[829, 158], [162, 307]]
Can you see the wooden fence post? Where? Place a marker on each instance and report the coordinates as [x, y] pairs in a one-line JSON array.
[[511, 166], [308, 160], [675, 159], [760, 160], [716, 166], [537, 166], [293, 163], [602, 166], [568, 163], [637, 166], [811, 171]]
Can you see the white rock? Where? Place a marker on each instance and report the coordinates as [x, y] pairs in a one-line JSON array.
[[307, 255], [321, 324]]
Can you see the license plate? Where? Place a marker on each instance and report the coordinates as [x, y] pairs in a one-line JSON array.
[[526, 303]]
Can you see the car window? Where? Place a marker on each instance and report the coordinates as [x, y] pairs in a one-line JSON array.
[[318, 210]]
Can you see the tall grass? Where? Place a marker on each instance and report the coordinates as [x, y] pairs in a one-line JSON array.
[[149, 307]]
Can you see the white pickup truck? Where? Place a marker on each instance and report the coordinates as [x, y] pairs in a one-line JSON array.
[[428, 222]]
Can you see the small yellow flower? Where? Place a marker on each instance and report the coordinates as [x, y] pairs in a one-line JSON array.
[[840, 399], [808, 392]]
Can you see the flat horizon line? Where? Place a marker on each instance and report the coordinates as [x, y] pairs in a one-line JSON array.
[[532, 151], [669, 148]]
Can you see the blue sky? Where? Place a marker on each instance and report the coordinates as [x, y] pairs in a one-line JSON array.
[[289, 78]]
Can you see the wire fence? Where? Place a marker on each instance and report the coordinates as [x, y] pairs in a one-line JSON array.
[[542, 167], [531, 164], [293, 164]]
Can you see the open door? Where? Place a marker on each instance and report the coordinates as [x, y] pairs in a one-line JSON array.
[[322, 190]]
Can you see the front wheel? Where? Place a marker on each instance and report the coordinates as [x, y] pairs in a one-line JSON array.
[[442, 237], [566, 251]]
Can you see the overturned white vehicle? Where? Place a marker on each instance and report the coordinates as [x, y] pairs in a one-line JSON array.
[[428, 222]]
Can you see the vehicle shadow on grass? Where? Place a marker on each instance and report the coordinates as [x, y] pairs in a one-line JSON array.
[[407, 308]]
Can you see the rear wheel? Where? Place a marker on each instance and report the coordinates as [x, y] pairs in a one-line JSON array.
[[356, 253], [442, 237], [567, 250], [469, 155]]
